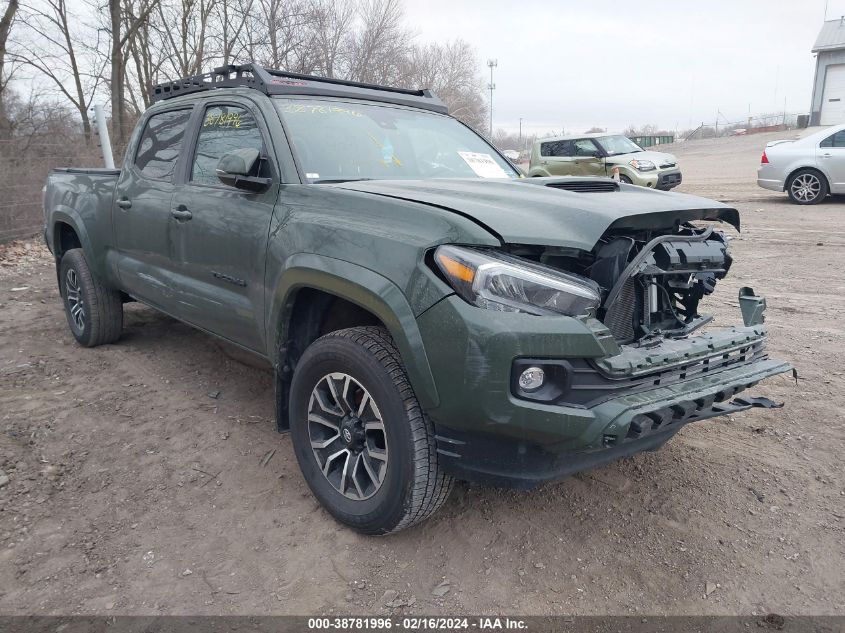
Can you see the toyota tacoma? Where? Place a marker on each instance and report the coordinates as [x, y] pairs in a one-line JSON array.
[[429, 313]]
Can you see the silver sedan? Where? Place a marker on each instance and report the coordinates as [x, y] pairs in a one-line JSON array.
[[808, 169]]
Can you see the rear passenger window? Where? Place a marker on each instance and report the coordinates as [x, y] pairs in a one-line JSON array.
[[557, 148], [834, 140], [224, 129], [161, 143]]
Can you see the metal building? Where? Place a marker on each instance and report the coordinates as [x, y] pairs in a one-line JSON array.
[[828, 106]]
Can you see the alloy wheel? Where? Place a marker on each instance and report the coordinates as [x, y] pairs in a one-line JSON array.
[[806, 187], [347, 436], [75, 302]]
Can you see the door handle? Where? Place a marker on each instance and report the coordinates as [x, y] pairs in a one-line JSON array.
[[181, 213], [825, 155], [124, 203]]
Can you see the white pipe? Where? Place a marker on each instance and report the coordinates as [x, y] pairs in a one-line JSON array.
[[105, 141]]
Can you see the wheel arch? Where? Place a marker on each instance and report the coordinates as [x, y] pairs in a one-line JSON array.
[[805, 167], [318, 294], [68, 231]]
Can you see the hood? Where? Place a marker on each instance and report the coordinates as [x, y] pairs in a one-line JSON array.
[[537, 211], [658, 158]]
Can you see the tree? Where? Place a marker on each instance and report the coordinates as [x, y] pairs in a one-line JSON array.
[[121, 36], [185, 25], [59, 47], [451, 71], [280, 37], [5, 29], [379, 45], [595, 130], [645, 130], [331, 23]]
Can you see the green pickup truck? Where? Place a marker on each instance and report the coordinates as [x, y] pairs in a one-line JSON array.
[[429, 313]]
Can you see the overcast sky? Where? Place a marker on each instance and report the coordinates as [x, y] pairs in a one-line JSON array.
[[573, 65]]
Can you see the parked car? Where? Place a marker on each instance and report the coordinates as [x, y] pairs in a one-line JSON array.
[[512, 155], [429, 315], [808, 169], [598, 154]]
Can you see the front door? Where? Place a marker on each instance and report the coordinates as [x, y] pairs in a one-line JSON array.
[[220, 233], [588, 158], [142, 219]]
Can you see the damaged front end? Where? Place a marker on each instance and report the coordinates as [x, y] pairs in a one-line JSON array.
[[623, 357], [652, 285], [653, 288]]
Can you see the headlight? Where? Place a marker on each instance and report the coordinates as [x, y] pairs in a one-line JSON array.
[[642, 165], [497, 281]]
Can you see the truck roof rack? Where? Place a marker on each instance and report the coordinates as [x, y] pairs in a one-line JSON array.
[[279, 82]]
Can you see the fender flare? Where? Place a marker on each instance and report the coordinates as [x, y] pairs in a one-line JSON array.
[[365, 288], [68, 215]]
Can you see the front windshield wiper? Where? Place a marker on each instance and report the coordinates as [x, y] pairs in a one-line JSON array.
[[329, 181]]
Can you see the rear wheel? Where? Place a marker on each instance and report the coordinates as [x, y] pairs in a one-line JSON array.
[[365, 447], [807, 187], [94, 312]]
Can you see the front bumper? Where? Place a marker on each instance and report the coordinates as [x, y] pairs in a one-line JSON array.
[[485, 433], [662, 180], [668, 180]]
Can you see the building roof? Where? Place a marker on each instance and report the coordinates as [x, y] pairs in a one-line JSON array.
[[832, 36]]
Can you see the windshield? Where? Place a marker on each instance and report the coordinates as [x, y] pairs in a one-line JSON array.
[[339, 140], [618, 144]]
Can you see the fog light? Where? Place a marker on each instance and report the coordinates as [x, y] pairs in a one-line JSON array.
[[532, 379]]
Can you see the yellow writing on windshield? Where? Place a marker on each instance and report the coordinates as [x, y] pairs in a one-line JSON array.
[[298, 108]]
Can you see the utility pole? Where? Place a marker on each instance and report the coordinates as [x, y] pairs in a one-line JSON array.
[[491, 63], [520, 131]]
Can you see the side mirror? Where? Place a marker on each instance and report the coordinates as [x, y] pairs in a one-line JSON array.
[[234, 169]]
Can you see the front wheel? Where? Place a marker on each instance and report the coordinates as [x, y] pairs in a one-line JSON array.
[[626, 179], [365, 447], [807, 187], [94, 312]]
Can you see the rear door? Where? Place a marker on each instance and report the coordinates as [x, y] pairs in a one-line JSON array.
[[830, 157], [557, 157], [220, 233], [142, 220]]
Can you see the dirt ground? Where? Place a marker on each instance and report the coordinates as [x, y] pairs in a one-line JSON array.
[[146, 477]]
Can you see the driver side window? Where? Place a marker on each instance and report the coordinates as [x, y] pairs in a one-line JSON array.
[[224, 128], [585, 147]]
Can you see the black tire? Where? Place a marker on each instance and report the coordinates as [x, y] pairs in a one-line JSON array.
[[412, 486], [625, 179], [101, 308], [807, 186]]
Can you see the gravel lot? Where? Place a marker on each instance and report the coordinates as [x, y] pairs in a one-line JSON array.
[[147, 478]]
